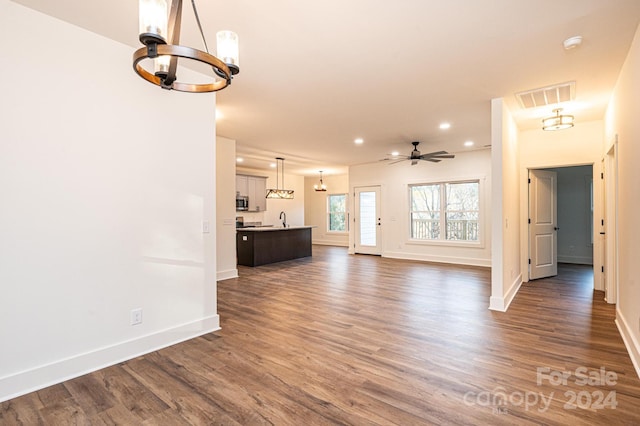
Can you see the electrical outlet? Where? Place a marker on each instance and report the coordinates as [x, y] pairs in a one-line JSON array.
[[136, 316]]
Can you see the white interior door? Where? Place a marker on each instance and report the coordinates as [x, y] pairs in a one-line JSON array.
[[367, 220], [543, 224]]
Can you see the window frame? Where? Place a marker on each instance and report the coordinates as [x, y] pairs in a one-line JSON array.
[[328, 213], [442, 241]]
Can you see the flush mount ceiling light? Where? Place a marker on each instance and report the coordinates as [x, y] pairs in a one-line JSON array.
[[558, 121], [283, 194], [322, 186], [161, 37]]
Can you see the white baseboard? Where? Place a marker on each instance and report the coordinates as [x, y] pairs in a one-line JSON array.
[[69, 368], [629, 339], [501, 304], [225, 275], [470, 261], [331, 243], [577, 260]]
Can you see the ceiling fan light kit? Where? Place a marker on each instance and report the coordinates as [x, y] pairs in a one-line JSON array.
[[557, 122], [277, 193], [160, 34]]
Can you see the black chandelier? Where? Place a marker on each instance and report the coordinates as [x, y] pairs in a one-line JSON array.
[[160, 33]]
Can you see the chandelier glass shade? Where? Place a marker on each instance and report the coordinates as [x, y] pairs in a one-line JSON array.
[[321, 186], [160, 34], [558, 121]]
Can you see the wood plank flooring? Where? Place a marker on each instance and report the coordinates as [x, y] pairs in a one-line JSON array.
[[362, 340]]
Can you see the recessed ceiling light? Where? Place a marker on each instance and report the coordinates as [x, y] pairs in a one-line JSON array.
[[359, 141], [273, 165], [445, 126], [239, 159], [469, 143], [395, 153]]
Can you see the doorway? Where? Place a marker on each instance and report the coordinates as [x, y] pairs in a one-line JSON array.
[[367, 220], [561, 216]]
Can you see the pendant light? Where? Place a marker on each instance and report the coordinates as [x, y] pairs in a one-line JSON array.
[[322, 186], [283, 194], [557, 122], [160, 33]]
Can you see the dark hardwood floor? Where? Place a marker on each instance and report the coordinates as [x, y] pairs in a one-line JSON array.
[[363, 340]]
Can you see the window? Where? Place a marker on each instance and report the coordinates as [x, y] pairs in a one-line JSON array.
[[337, 213], [445, 211]]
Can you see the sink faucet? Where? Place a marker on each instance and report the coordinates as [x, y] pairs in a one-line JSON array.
[[284, 221]]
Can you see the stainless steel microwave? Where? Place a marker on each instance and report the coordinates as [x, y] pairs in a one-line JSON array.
[[242, 203]]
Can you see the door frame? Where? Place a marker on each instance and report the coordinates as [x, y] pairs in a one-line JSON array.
[[610, 227], [524, 213]]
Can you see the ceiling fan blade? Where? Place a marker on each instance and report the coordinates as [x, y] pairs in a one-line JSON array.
[[433, 160], [399, 160], [435, 153], [442, 156], [414, 162]]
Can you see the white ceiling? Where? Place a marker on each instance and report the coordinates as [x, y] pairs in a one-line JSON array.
[[316, 75]]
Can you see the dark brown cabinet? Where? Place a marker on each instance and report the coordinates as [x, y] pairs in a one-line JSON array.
[[259, 246]]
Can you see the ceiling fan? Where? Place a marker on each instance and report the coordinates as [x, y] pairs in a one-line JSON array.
[[434, 157]]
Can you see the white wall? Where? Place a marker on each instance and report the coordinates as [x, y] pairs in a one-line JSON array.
[[580, 145], [225, 208], [294, 209], [103, 200], [394, 180], [622, 120], [315, 209], [574, 215], [506, 272]]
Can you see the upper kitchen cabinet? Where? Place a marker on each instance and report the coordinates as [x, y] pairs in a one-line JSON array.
[[255, 188]]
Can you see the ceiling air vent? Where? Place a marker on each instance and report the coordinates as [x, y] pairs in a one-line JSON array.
[[551, 95]]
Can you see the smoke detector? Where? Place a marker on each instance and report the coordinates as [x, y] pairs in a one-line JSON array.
[[572, 42]]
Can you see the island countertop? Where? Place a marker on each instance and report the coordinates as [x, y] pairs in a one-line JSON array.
[[273, 228]]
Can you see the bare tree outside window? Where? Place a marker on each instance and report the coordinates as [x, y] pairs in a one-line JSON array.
[[445, 211]]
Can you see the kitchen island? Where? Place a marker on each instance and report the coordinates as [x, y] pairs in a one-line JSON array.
[[263, 245]]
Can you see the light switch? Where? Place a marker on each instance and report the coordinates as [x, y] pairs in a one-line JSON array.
[[205, 227], [244, 238]]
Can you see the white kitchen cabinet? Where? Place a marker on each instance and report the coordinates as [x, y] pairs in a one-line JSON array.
[[242, 187], [254, 187]]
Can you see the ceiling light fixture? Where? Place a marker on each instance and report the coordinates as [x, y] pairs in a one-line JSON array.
[[445, 126], [322, 186], [468, 143], [283, 194], [359, 141], [558, 121], [161, 37]]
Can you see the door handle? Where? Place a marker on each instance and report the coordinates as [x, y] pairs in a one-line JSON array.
[[555, 228], [602, 233]]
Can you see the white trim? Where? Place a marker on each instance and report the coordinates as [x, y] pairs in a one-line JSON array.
[[331, 243], [632, 345], [69, 368], [501, 304], [471, 261], [225, 275], [578, 260]]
